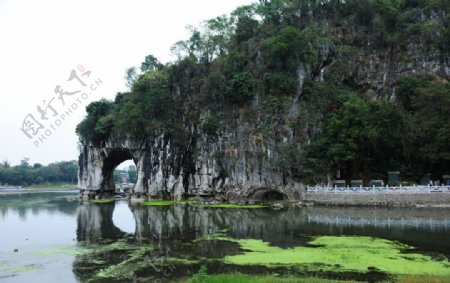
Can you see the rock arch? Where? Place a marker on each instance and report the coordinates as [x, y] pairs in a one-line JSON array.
[[163, 170], [111, 161], [97, 165]]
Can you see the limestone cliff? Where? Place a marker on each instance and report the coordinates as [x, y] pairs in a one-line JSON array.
[[167, 170]]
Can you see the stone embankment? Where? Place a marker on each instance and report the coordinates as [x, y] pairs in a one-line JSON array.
[[381, 199]]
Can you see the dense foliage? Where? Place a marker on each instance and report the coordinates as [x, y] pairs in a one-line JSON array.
[[248, 65], [26, 174], [130, 173]]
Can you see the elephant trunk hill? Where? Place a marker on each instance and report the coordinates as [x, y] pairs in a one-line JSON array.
[[277, 95]]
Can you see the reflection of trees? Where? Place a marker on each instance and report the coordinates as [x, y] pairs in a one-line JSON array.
[[284, 228], [95, 222], [35, 203], [185, 222]]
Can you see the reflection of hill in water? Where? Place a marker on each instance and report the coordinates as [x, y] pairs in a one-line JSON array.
[[95, 222], [170, 229], [428, 228], [35, 202]]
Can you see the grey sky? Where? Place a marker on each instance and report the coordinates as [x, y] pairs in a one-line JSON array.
[[42, 41]]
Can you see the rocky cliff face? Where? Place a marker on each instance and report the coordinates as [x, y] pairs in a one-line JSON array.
[[230, 168], [378, 71]]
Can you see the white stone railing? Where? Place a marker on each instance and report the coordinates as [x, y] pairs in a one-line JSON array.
[[379, 190]]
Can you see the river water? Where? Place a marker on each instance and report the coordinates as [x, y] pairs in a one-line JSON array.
[[52, 237]]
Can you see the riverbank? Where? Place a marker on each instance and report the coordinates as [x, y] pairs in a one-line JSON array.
[[380, 199], [67, 186]]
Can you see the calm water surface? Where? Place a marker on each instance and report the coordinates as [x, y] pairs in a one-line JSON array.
[[52, 237]]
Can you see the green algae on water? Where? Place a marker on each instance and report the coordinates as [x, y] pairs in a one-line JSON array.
[[349, 254], [119, 245], [127, 268], [165, 202], [137, 260], [62, 250], [81, 250], [118, 260], [132, 259], [179, 261], [254, 206], [101, 201], [13, 269]]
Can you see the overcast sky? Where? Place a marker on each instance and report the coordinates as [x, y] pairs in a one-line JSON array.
[[41, 42]]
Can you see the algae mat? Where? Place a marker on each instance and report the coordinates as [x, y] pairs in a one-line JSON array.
[[342, 253], [103, 201], [165, 202]]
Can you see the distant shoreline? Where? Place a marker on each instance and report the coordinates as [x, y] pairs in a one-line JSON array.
[[46, 186]]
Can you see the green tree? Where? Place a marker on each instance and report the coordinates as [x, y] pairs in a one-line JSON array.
[[24, 174], [146, 110], [129, 120], [211, 125], [150, 63], [363, 138], [284, 49], [6, 164], [132, 174], [246, 28], [431, 120], [271, 10], [240, 88], [131, 76], [94, 128], [406, 89]]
